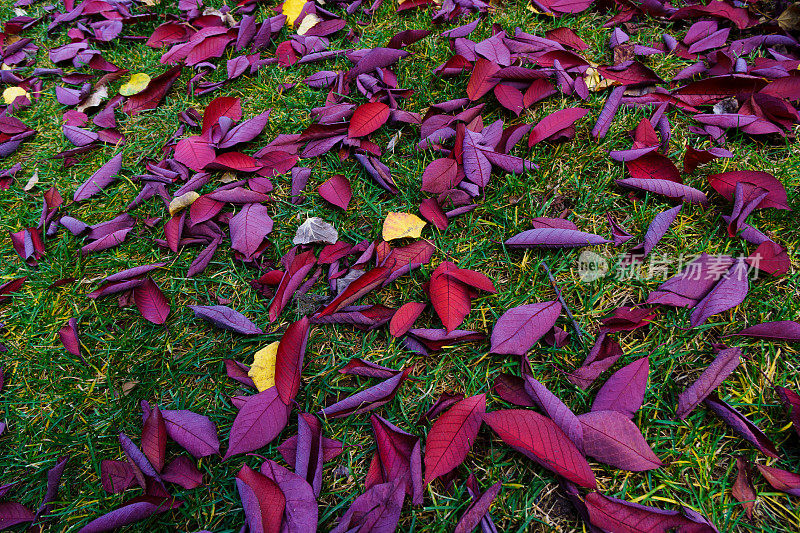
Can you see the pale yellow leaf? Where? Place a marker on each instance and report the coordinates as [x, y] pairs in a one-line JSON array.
[[400, 225], [11, 94], [292, 10], [309, 21], [135, 85], [262, 371], [182, 202]]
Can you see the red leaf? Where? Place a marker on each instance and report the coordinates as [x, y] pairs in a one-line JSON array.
[[153, 94], [482, 79], [289, 359], [337, 191], [781, 480], [356, 290], [296, 271], [368, 118], [262, 499], [440, 175], [725, 184], [452, 435], [541, 440], [194, 152], [404, 318], [743, 489], [450, 298], [154, 439], [151, 302], [510, 98], [613, 439]]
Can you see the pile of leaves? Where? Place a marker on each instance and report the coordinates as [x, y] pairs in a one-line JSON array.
[[219, 179]]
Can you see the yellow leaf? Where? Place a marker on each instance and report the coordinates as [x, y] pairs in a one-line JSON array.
[[292, 10], [11, 94], [400, 225], [182, 202], [135, 85], [263, 370]]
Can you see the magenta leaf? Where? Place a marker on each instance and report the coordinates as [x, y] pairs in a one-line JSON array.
[[194, 432], [784, 330], [612, 514], [289, 359], [336, 190], [781, 480], [518, 329], [452, 435], [183, 472], [377, 510], [624, 390], [611, 438], [151, 302], [398, 457], [262, 417], [249, 227]]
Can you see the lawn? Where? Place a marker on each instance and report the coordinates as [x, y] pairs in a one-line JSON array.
[[55, 403]]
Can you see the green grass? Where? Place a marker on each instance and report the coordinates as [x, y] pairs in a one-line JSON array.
[[55, 404]]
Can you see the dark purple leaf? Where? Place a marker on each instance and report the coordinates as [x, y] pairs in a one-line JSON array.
[[624, 390], [741, 425], [611, 438], [723, 365], [226, 318], [101, 179], [262, 417]]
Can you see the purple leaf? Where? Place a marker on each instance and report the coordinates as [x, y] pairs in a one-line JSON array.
[[664, 187], [116, 476], [741, 425], [477, 510], [301, 513], [246, 131], [729, 292], [520, 327], [53, 482], [195, 433], [262, 417], [550, 238], [784, 330], [101, 179], [555, 409], [723, 365], [367, 399], [226, 318], [377, 510], [13, 513], [624, 390], [249, 227], [398, 457], [613, 439], [123, 516]]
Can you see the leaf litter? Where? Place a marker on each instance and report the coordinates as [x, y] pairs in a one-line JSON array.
[[217, 181]]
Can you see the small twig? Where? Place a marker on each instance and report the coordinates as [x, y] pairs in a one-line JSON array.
[[575, 324]]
